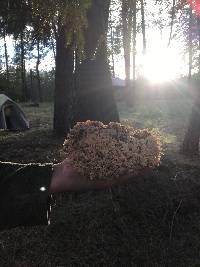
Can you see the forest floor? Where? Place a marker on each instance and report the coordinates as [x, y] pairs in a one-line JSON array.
[[152, 221], [38, 144]]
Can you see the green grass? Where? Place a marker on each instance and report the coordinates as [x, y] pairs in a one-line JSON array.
[[39, 117], [169, 117]]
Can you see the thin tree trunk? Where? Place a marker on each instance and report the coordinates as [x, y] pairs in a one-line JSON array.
[[143, 26], [134, 38], [6, 54], [126, 39], [23, 69], [31, 86], [38, 72], [190, 46], [172, 22], [112, 52], [53, 48], [63, 96], [134, 26], [127, 28], [198, 25]]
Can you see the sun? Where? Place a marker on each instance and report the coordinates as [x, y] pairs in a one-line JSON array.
[[161, 65]]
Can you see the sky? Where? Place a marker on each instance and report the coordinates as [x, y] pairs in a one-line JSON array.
[[47, 63], [161, 62]]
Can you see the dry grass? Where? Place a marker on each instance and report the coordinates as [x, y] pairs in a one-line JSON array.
[[35, 145], [152, 221]]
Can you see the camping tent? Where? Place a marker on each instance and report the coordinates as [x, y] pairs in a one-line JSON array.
[[11, 115]]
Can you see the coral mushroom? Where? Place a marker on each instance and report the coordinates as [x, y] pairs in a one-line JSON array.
[[101, 151]]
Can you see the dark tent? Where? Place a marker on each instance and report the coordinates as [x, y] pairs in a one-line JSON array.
[[11, 115]]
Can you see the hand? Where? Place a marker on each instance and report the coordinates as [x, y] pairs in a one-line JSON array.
[[66, 178]]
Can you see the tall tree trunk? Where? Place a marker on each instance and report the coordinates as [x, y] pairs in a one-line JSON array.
[[134, 11], [38, 73], [32, 94], [198, 26], [191, 140], [126, 25], [172, 21], [53, 48], [6, 54], [190, 46], [23, 68], [134, 38], [95, 98], [143, 26], [63, 95], [127, 29], [112, 51]]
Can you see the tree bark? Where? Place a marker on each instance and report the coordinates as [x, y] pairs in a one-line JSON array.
[[6, 54], [112, 51], [143, 26], [126, 25], [134, 39], [53, 47], [63, 95], [126, 32], [191, 140], [190, 46], [95, 98], [38, 73], [198, 27], [23, 68], [32, 93], [172, 21]]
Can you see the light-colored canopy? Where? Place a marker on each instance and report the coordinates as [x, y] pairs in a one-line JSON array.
[[16, 119]]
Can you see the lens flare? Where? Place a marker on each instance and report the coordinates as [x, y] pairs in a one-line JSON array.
[[195, 5]]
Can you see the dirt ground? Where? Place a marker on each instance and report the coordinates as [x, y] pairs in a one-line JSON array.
[[35, 145], [152, 221]]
